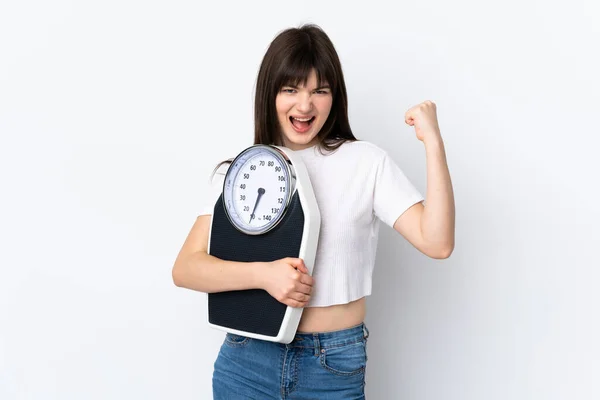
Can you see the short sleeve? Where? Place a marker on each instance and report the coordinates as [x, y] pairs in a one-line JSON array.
[[212, 190], [393, 193]]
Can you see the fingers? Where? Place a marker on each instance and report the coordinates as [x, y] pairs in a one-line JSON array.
[[427, 107], [297, 300], [306, 289], [296, 289], [297, 263], [306, 279], [300, 297], [302, 277], [302, 268], [409, 117]]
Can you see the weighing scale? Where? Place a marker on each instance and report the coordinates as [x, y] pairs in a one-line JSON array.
[[267, 211]]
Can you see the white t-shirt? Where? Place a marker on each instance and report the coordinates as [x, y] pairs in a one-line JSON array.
[[356, 186]]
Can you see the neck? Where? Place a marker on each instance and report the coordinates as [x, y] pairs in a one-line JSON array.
[[296, 146]]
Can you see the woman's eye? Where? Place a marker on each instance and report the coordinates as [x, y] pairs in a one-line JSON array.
[[287, 90]]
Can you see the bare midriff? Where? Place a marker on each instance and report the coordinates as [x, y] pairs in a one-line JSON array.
[[332, 318]]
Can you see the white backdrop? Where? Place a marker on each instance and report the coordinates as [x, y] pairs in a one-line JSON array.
[[113, 113]]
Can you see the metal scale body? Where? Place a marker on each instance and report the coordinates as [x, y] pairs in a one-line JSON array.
[[267, 211]]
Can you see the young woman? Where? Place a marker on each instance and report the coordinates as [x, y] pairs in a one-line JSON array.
[[301, 104]]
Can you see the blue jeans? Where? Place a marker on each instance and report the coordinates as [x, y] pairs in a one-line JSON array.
[[327, 366]]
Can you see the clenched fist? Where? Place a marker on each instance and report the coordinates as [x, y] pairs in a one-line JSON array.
[[424, 118]]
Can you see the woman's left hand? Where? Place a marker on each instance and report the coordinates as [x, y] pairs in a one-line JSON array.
[[424, 118]]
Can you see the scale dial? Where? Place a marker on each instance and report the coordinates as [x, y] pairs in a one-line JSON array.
[[258, 188]]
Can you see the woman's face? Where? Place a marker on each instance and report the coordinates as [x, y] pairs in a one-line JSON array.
[[302, 112]]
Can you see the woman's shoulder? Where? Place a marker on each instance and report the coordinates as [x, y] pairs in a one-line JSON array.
[[362, 149]]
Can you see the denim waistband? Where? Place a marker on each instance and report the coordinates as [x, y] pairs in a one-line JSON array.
[[319, 340]]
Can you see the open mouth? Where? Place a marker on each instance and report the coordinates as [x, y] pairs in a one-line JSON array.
[[302, 124]]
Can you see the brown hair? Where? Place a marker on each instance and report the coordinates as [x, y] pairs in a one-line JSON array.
[[290, 58]]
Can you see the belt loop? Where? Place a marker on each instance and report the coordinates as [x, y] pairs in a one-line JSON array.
[[317, 344], [365, 331]]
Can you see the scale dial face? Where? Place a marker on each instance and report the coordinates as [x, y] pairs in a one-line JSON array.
[[258, 188]]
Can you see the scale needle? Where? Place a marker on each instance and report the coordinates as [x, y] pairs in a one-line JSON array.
[[261, 191]]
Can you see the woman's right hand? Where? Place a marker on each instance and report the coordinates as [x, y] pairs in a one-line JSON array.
[[288, 281]]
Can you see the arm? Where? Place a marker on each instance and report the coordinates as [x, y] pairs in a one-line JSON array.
[[287, 280], [430, 227], [197, 270]]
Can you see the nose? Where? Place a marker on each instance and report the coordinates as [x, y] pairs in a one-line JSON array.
[[304, 103]]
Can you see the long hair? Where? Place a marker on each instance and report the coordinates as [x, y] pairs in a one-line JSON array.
[[290, 58]]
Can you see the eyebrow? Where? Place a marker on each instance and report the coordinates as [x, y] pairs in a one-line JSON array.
[[319, 88]]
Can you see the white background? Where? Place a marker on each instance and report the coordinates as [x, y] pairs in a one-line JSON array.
[[113, 113]]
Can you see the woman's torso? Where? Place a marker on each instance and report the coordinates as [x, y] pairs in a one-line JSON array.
[[329, 193]]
